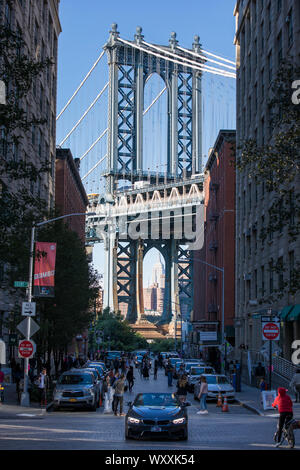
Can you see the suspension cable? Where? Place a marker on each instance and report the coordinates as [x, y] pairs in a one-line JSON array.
[[94, 167], [184, 62], [84, 114], [160, 49], [81, 84], [205, 58], [218, 57]]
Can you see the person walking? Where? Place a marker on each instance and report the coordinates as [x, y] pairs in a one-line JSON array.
[[169, 371], [260, 373], [43, 386], [119, 387], [108, 395], [295, 385], [202, 396], [182, 385], [130, 378], [285, 407], [146, 369], [155, 369]]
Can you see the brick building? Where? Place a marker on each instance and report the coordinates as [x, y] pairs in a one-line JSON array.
[[70, 195], [219, 242]]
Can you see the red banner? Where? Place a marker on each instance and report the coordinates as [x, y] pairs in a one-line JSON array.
[[44, 269]]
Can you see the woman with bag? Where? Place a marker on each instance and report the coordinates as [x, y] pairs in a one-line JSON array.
[[202, 396], [182, 388], [130, 378], [106, 390]]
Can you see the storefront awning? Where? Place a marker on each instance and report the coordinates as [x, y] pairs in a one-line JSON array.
[[294, 313], [285, 312]]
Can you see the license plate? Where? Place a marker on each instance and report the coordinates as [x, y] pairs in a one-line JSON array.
[[155, 429], [73, 399]]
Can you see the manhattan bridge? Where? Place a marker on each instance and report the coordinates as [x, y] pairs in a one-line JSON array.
[[143, 166]]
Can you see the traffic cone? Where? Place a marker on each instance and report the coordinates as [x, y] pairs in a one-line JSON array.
[[225, 405], [219, 402]]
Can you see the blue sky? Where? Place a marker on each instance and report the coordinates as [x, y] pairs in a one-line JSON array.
[[85, 29]]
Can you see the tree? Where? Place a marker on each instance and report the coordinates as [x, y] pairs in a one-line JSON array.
[[69, 313], [276, 165], [117, 333]]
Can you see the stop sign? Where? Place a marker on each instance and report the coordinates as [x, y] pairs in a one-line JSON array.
[[26, 348], [271, 331]]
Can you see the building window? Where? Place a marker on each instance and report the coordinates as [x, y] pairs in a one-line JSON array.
[[262, 81], [290, 27], [291, 266], [270, 66], [292, 207], [271, 277], [269, 19], [7, 16], [280, 273], [255, 284], [279, 6], [262, 45], [262, 275], [279, 48]]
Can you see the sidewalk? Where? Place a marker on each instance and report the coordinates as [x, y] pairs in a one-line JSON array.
[[10, 408], [249, 397]]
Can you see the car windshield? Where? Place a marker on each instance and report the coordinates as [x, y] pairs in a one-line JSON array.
[[156, 399], [188, 366], [223, 380], [197, 370], [75, 379], [211, 380]]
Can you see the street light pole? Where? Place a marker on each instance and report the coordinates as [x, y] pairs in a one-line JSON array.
[[25, 395]]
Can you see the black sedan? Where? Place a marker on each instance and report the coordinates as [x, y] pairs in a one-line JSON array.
[[156, 415]]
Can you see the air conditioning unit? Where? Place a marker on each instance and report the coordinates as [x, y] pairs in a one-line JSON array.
[[214, 186], [212, 277], [213, 216], [213, 246]]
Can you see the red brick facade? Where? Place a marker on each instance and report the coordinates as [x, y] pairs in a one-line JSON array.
[[219, 236], [70, 195]]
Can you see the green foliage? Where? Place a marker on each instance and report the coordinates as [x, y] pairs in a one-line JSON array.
[[122, 336], [160, 345]]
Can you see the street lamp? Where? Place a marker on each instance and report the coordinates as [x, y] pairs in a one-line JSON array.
[[25, 394]]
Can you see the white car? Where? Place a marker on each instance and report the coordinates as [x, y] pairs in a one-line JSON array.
[[195, 374], [217, 383]]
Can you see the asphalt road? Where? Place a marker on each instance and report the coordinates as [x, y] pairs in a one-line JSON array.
[[239, 429]]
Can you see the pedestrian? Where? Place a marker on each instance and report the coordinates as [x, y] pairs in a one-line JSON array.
[[106, 391], [119, 387], [260, 373], [1, 375], [263, 388], [18, 376], [155, 368], [130, 378], [43, 386], [202, 396], [146, 370], [295, 385], [169, 372], [116, 364], [181, 371], [285, 407], [182, 385]]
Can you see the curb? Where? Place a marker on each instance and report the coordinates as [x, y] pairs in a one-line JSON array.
[[251, 408]]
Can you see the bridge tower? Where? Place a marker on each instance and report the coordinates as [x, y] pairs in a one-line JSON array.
[[130, 64]]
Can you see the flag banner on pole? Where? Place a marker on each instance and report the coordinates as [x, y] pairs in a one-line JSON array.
[[44, 269]]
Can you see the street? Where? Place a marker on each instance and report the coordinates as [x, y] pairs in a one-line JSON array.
[[239, 429]]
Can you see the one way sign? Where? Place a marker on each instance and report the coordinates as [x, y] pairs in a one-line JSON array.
[[28, 309]]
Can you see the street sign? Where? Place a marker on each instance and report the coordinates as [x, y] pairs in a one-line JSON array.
[[26, 349], [20, 284], [28, 309], [270, 331], [33, 327]]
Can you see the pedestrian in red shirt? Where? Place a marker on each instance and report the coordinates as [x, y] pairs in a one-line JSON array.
[[285, 407]]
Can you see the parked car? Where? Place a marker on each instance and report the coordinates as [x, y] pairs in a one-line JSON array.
[[217, 383], [99, 367], [158, 415], [99, 380], [195, 374], [76, 388], [189, 365]]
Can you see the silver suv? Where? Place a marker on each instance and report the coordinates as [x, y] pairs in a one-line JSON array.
[[76, 389]]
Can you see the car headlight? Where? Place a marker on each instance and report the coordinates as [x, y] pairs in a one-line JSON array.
[[178, 421], [57, 395], [133, 420], [89, 391]]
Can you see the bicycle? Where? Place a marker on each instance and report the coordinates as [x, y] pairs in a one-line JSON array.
[[288, 433]]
